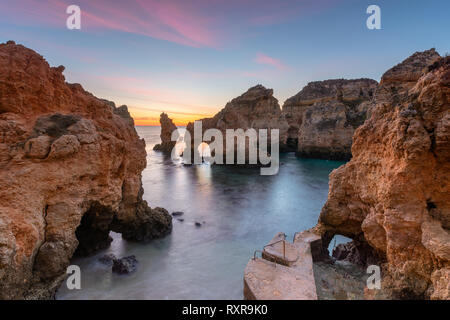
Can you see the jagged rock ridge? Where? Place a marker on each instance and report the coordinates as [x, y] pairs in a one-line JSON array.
[[323, 116]]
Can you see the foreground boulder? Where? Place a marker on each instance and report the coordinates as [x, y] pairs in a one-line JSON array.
[[70, 172], [394, 195], [125, 265]]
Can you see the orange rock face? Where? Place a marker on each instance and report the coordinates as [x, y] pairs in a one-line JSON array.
[[395, 192], [70, 171]]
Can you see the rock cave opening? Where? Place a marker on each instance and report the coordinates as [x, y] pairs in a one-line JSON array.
[[93, 231], [336, 241], [340, 276]]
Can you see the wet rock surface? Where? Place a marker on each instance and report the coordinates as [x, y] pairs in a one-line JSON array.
[[107, 259]]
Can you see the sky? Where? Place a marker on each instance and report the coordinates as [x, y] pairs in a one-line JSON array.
[[188, 58]]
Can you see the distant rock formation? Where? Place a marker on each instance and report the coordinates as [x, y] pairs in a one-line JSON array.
[[323, 116], [318, 122], [70, 171], [167, 127], [394, 195], [256, 108]]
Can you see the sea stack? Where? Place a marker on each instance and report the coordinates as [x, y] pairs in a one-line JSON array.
[[70, 172]]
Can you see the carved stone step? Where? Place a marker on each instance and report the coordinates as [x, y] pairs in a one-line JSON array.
[[280, 251], [265, 280]]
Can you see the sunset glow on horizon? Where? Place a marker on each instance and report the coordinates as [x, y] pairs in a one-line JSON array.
[[189, 58]]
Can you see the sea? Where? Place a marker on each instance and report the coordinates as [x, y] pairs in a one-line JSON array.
[[239, 210]]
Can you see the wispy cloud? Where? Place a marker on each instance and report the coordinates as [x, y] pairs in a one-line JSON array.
[[195, 23], [262, 58]]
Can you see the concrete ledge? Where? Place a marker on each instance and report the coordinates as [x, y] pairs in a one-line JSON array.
[[264, 280], [272, 277]]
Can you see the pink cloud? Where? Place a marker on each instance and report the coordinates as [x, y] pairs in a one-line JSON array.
[[261, 58], [195, 23]]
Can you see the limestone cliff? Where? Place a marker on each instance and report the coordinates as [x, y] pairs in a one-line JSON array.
[[394, 195], [318, 122], [70, 171], [257, 108], [323, 116]]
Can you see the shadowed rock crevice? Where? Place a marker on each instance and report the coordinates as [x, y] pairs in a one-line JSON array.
[[93, 232], [54, 125], [167, 128]]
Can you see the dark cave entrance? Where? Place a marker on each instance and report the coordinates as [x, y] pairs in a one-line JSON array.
[[93, 231], [292, 139]]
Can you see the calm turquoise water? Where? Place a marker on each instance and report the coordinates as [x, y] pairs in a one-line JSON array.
[[241, 211]]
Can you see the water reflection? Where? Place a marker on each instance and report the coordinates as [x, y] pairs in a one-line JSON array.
[[241, 211]]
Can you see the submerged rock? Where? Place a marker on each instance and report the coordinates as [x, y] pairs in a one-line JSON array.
[[108, 259], [125, 265], [177, 213]]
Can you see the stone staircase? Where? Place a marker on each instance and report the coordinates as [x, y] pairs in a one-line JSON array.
[[285, 269]]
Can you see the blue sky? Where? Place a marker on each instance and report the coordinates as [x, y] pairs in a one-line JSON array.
[[190, 57]]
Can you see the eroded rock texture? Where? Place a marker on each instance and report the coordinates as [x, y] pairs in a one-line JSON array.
[[394, 194], [323, 116], [167, 128], [70, 171], [257, 108]]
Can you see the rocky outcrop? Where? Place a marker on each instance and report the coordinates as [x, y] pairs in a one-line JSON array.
[[323, 116], [318, 122], [257, 109], [394, 194], [167, 128], [70, 172]]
